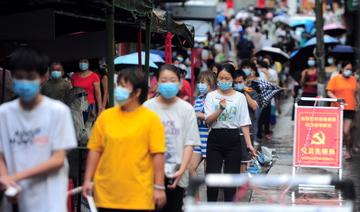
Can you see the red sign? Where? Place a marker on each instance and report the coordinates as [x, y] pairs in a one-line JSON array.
[[317, 137]]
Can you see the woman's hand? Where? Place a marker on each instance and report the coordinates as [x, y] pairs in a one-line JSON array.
[[252, 151], [200, 116], [222, 104], [87, 188], [177, 176], [159, 198]]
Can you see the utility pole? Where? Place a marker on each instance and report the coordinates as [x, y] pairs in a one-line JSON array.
[[320, 48], [110, 50]]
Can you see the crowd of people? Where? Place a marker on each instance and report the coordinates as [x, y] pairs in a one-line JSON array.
[[143, 151]]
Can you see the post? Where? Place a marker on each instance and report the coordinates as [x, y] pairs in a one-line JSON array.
[[147, 46], [320, 48], [110, 50], [139, 48], [192, 75]]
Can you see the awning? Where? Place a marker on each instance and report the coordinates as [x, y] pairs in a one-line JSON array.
[[49, 19]]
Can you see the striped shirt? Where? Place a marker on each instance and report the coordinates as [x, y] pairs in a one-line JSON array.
[[203, 128]]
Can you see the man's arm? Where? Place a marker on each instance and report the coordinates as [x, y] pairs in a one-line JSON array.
[[3, 168], [55, 162]]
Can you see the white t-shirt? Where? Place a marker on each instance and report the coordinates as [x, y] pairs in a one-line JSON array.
[[274, 78], [235, 115], [181, 128], [27, 139]]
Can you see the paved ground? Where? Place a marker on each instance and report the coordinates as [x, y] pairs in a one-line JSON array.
[[282, 143]]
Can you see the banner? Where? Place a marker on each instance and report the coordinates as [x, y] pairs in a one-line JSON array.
[[318, 137]]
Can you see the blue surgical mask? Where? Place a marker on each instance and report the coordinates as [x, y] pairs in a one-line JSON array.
[[26, 89], [247, 71], [330, 61], [311, 63], [168, 89], [239, 87], [84, 66], [121, 95], [180, 59], [347, 73], [224, 86], [56, 74], [202, 87]]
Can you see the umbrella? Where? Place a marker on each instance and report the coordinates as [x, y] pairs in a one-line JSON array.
[[343, 52], [132, 59], [266, 91], [334, 29], [298, 59], [158, 52], [298, 62], [307, 22], [328, 40], [275, 53], [284, 19]]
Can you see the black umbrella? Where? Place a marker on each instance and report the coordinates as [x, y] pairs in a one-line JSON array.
[[275, 53], [298, 59], [266, 91]]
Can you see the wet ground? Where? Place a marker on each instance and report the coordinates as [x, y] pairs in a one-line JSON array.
[[282, 143]]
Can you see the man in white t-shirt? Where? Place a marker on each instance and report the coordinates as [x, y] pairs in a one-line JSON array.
[[35, 132]]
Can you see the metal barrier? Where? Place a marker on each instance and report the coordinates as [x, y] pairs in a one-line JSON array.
[[228, 180]]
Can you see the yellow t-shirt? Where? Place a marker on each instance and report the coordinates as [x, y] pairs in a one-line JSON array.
[[124, 177]]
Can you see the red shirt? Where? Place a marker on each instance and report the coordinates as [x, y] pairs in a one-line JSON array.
[[86, 83], [186, 89]]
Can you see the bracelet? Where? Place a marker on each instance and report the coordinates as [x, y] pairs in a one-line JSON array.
[[159, 187]]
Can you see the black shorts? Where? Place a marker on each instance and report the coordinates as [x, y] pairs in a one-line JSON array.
[[245, 155], [349, 114]]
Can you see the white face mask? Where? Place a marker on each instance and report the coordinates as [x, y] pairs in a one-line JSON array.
[[347, 73]]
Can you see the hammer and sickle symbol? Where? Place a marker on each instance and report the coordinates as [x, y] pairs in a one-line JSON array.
[[318, 138]]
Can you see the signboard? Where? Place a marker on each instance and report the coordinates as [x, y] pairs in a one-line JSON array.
[[318, 137]]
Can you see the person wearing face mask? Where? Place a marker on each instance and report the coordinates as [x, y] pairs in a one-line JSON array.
[[331, 68], [240, 85], [56, 87], [104, 80], [344, 86], [309, 82], [246, 66], [207, 83], [90, 82], [226, 112], [35, 134], [126, 151], [182, 134]]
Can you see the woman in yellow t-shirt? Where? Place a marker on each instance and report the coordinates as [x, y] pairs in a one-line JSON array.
[[126, 151]]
